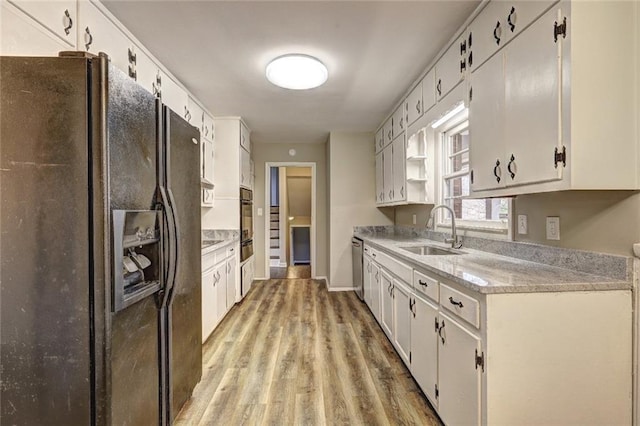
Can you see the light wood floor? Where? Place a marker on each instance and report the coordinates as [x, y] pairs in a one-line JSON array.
[[298, 271], [294, 354]]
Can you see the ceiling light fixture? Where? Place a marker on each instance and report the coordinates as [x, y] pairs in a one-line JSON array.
[[449, 115], [297, 72]]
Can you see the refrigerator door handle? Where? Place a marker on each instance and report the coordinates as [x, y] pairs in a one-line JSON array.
[[176, 238], [170, 270]]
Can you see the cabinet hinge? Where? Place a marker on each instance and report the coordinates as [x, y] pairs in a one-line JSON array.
[[560, 29], [560, 157], [471, 176], [409, 357], [463, 65], [437, 325], [479, 360], [437, 391]]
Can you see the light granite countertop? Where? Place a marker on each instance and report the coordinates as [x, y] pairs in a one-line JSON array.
[[213, 240], [489, 273]]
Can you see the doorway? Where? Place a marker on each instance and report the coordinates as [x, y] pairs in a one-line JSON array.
[[290, 227]]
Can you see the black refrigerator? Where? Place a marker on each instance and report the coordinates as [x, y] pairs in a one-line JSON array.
[[100, 274]]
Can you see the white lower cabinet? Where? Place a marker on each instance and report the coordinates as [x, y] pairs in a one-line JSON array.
[[219, 287], [459, 373], [386, 284], [376, 288], [402, 314], [508, 358], [424, 347]]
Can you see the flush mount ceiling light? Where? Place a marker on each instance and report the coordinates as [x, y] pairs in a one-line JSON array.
[[297, 72]]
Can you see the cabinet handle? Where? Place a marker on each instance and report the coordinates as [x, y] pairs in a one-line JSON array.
[[132, 73], [437, 324], [389, 135], [511, 22], [511, 161], [412, 304], [67, 28], [496, 33], [187, 114], [228, 268], [496, 169], [470, 38], [402, 122], [439, 87], [423, 283], [381, 196], [157, 86], [418, 107], [470, 59], [440, 331], [369, 267], [88, 38], [377, 274], [390, 195], [453, 302], [402, 191]]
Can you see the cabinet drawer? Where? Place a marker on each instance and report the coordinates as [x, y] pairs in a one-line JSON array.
[[231, 251], [425, 285], [464, 306], [402, 271]]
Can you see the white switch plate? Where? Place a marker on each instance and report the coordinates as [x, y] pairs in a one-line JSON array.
[[522, 224], [259, 211], [415, 219], [553, 228]]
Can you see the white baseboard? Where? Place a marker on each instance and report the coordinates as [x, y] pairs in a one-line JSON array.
[[275, 263], [341, 289], [259, 279]]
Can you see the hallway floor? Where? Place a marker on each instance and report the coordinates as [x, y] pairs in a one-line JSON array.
[[291, 353], [298, 271]]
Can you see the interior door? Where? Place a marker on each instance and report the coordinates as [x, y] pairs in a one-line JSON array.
[[182, 151]]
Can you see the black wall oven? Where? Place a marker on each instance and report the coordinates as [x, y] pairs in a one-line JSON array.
[[246, 224]]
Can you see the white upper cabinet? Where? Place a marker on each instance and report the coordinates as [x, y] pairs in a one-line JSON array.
[[399, 169], [497, 24], [398, 122], [565, 121], [388, 131], [379, 178], [379, 139], [451, 67], [174, 96], [245, 139], [97, 33], [414, 105], [388, 182], [429, 90], [58, 16], [21, 35]]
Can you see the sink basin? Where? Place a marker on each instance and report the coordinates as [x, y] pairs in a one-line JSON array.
[[430, 250]]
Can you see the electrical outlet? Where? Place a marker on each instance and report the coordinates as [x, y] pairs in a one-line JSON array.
[[522, 224], [553, 228], [415, 219]]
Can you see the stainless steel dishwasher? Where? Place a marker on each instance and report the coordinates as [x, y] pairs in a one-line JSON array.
[[356, 252]]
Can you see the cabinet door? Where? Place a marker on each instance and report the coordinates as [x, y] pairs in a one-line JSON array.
[[402, 319], [209, 313], [245, 168], [398, 121], [208, 162], [195, 115], [387, 158], [399, 169], [20, 35], [386, 284], [148, 73], [532, 98], [376, 285], [458, 378], [232, 278], [58, 16], [379, 178], [174, 96], [413, 105], [208, 127], [388, 131], [97, 33], [220, 280], [486, 126], [379, 143], [424, 347], [245, 140], [449, 69], [429, 90], [366, 281]]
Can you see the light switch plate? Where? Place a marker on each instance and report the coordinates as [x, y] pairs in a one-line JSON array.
[[259, 211], [553, 228], [522, 224]]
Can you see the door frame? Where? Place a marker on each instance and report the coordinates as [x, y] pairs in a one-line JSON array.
[[267, 203]]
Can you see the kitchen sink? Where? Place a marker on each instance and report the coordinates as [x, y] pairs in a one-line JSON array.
[[430, 250]]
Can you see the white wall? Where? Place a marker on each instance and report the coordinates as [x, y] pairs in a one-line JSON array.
[[351, 200]]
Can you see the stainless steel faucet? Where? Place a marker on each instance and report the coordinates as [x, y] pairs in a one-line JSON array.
[[455, 241]]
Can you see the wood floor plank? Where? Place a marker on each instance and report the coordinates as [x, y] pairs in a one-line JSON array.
[[292, 353]]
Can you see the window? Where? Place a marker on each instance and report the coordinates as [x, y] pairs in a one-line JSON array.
[[489, 214]]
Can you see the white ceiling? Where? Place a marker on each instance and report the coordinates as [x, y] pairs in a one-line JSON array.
[[219, 49]]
